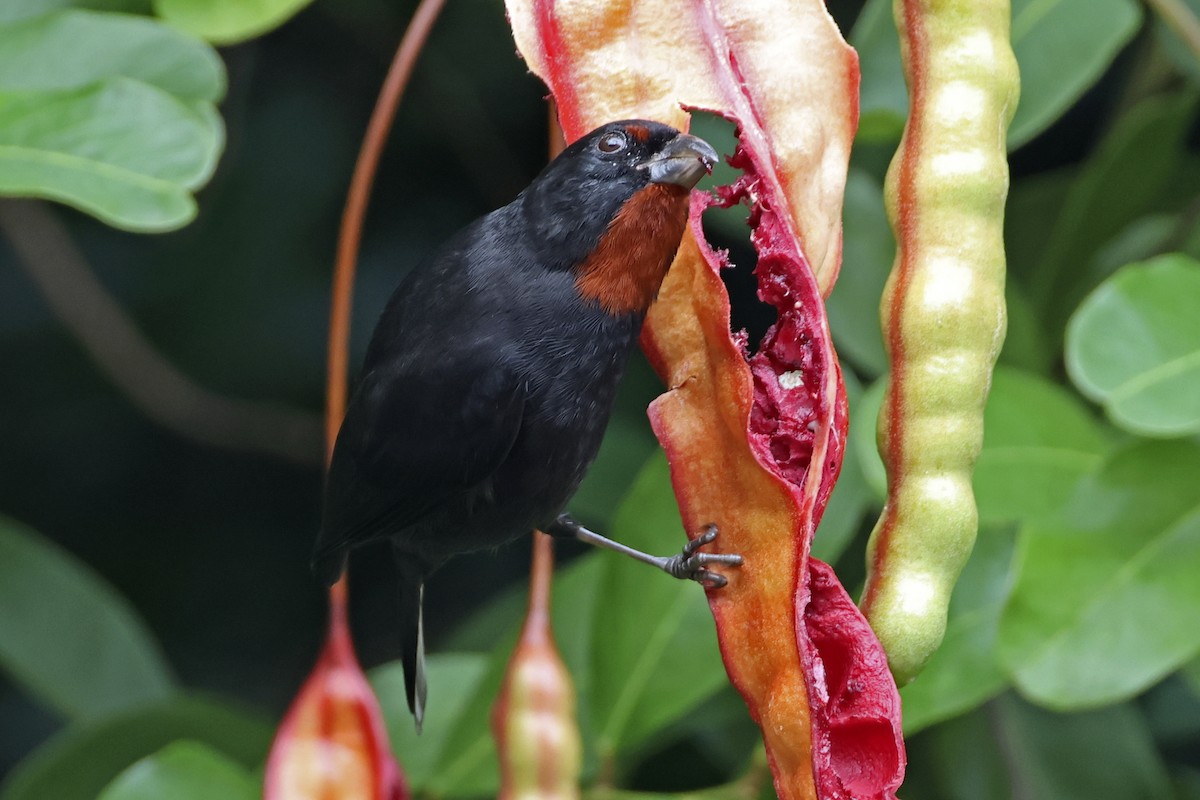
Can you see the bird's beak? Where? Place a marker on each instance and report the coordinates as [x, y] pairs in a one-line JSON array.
[[683, 161]]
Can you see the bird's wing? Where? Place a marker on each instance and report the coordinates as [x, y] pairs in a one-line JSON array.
[[411, 442]]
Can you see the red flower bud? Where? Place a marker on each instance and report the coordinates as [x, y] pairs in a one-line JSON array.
[[332, 744]]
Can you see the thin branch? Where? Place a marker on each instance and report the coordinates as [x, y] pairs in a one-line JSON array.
[[541, 577], [350, 235], [152, 383], [1180, 19]]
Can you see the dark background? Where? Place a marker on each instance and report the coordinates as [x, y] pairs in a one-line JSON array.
[[212, 545]]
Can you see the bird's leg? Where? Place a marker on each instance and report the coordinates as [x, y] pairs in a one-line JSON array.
[[687, 565]]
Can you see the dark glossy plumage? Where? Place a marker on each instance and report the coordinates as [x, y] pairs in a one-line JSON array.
[[489, 379]]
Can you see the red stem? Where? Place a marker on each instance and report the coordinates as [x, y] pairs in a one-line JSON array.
[[350, 235], [537, 619]]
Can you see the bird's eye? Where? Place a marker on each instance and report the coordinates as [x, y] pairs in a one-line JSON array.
[[611, 142]]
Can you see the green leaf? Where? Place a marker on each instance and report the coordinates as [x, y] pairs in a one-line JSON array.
[[866, 261], [1017, 750], [883, 99], [227, 21], [1137, 161], [862, 438], [654, 647], [1102, 753], [720, 733], [1134, 346], [1106, 599], [1172, 712], [454, 679], [966, 758], [466, 764], [72, 49], [120, 149], [183, 771], [1180, 53], [13, 10], [80, 761], [1025, 344], [1033, 200], [965, 672], [110, 113], [1191, 673], [67, 637], [1140, 240], [1187, 785], [1038, 442], [1062, 48]]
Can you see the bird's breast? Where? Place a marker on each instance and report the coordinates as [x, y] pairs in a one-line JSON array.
[[626, 268]]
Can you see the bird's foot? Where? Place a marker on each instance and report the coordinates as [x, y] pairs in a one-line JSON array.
[[690, 564], [693, 565]]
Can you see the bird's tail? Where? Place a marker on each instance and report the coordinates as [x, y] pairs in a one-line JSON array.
[[412, 634]]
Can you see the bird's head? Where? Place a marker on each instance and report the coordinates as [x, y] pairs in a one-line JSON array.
[[633, 153], [613, 205]]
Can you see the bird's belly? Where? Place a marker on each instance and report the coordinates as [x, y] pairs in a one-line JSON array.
[[559, 439]]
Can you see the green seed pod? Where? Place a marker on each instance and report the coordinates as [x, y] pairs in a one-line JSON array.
[[942, 312], [537, 736]]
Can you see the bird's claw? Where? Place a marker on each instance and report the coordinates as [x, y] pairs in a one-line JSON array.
[[693, 565]]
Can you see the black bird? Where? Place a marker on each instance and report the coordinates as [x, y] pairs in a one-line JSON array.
[[491, 375]]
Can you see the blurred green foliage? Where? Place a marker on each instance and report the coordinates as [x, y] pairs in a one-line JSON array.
[[1071, 665], [108, 112]]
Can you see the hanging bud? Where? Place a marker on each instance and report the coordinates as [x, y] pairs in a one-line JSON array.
[[332, 744], [533, 720]]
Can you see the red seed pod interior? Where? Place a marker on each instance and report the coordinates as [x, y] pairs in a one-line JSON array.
[[790, 363], [796, 420], [755, 443], [859, 749]]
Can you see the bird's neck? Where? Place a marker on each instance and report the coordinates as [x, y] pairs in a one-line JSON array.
[[625, 269]]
